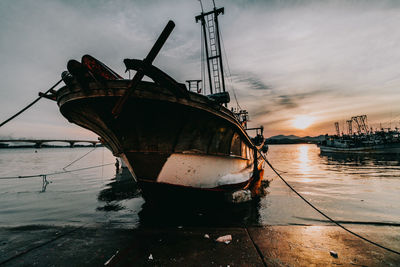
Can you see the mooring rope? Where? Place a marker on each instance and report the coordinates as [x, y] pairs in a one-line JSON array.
[[54, 173], [30, 105], [323, 214], [64, 168]]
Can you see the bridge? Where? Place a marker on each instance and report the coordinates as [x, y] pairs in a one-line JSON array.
[[39, 142]]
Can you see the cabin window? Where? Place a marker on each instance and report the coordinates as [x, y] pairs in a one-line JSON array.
[[195, 135], [236, 145], [221, 141]]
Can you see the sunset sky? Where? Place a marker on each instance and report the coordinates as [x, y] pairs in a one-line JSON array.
[[292, 62]]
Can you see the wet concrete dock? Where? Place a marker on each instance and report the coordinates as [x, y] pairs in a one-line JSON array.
[[181, 246]]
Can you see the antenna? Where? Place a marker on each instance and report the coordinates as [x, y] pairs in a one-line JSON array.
[[201, 5]]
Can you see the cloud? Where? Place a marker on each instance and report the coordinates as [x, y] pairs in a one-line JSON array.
[[250, 81], [327, 58], [286, 101]]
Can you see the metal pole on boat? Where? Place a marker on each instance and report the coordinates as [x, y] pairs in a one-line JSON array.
[[219, 49], [147, 61], [203, 25]]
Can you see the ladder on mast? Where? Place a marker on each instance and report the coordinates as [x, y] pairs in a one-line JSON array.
[[212, 44], [214, 54]]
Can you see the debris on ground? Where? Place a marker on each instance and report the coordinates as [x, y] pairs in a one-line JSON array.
[[224, 239], [333, 254], [112, 257], [206, 236], [151, 257]]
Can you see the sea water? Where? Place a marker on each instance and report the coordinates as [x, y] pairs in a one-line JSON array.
[[352, 189]]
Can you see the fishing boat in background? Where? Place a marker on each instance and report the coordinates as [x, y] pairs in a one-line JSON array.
[[172, 138], [364, 141]]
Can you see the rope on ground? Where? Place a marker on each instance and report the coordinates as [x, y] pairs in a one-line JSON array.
[[30, 105], [323, 214], [64, 168], [54, 173]]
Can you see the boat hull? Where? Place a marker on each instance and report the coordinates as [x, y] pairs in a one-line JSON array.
[[161, 192], [185, 142], [393, 148]]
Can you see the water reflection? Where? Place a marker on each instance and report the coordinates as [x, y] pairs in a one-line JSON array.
[[356, 188], [206, 215], [362, 159], [45, 183], [178, 213], [121, 187], [303, 155], [304, 162], [362, 188]]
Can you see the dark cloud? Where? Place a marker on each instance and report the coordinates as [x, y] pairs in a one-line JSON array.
[[294, 100], [262, 110], [252, 81], [287, 101]]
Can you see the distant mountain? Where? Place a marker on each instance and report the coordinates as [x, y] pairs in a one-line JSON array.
[[284, 137], [293, 139]]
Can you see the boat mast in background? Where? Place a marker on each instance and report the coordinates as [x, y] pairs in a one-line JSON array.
[[337, 128], [349, 127], [362, 124]]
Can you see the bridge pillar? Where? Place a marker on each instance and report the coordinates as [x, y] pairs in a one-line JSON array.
[[71, 144], [38, 144]]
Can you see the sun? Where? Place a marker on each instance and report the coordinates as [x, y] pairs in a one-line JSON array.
[[302, 122]]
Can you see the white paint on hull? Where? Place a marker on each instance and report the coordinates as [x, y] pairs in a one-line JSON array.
[[204, 171], [234, 178]]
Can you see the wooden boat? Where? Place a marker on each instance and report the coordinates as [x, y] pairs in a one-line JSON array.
[[171, 139]]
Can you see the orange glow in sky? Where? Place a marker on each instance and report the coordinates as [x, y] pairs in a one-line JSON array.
[[302, 122]]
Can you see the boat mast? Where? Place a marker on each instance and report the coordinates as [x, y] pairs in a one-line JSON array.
[[212, 46], [219, 47], [349, 127]]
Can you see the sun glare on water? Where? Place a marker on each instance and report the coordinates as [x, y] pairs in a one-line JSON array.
[[302, 122]]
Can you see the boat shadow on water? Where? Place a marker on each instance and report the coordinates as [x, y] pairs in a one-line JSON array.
[[121, 187], [206, 214], [181, 210]]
